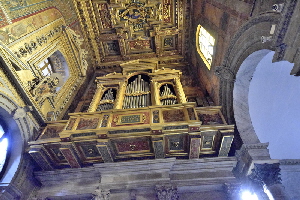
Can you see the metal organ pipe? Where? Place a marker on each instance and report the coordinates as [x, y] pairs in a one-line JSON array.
[[107, 101], [137, 93], [167, 96]]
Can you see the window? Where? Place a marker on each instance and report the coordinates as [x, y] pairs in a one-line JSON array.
[[46, 67], [55, 66], [3, 148], [205, 45]]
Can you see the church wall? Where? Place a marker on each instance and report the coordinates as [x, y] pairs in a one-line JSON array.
[[221, 20], [290, 175], [17, 180]]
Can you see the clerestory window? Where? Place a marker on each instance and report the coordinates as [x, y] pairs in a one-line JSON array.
[[205, 45]]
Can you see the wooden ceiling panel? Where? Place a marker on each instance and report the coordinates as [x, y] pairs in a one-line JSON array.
[[119, 30]]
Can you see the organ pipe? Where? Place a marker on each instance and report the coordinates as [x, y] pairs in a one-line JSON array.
[[137, 94], [167, 96], [107, 101]]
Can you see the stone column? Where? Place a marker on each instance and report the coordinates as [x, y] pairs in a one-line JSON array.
[[266, 177], [247, 155]]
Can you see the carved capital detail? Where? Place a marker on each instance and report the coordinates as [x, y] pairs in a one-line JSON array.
[[245, 156], [101, 194], [265, 174], [224, 73], [166, 192]]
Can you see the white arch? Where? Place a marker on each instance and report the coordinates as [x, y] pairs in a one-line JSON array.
[[15, 141], [240, 96]]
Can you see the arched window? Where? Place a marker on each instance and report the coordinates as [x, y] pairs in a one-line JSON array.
[[205, 45], [3, 149]]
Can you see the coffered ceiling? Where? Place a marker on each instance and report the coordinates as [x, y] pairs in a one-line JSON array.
[[120, 30]]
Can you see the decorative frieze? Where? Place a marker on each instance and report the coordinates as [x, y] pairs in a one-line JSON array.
[[29, 48]]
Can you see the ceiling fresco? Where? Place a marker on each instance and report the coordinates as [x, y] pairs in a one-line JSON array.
[[119, 30]]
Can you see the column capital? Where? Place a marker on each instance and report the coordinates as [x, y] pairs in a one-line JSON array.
[[265, 174], [224, 73], [166, 192], [101, 194], [250, 154]]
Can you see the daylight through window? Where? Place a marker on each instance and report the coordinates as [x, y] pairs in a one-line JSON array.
[[205, 45], [3, 148]]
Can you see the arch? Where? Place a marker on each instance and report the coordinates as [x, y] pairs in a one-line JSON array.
[[240, 96], [16, 143], [20, 128], [245, 42], [273, 106]]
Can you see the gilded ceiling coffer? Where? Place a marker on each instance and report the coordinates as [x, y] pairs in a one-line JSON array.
[[132, 29]]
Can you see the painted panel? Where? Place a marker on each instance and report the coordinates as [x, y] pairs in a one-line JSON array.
[[87, 123], [210, 119], [131, 119], [17, 9], [159, 149], [155, 116], [195, 148], [176, 143], [225, 145], [173, 115], [70, 157], [52, 131]]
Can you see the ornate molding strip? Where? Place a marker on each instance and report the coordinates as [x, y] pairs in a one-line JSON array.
[[28, 48], [290, 162], [282, 30]]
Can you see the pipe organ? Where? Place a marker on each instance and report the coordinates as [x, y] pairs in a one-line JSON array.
[[137, 94], [141, 113], [107, 100], [141, 84], [167, 95]]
